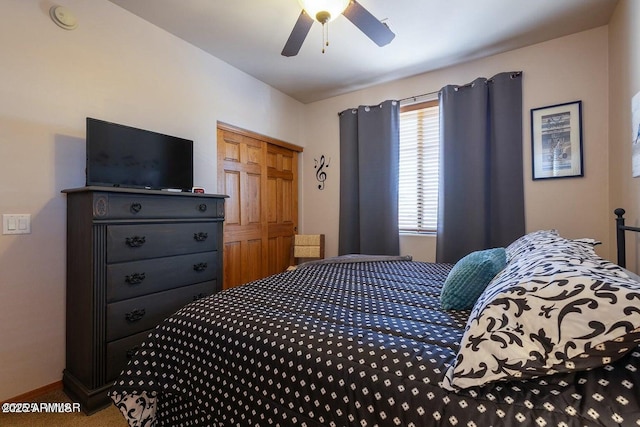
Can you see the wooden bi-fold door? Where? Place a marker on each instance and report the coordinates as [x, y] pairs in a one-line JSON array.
[[260, 176], [282, 206]]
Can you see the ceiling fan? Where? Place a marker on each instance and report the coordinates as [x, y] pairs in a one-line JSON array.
[[325, 11]]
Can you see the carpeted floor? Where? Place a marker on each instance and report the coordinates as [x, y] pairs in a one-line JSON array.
[[109, 417]]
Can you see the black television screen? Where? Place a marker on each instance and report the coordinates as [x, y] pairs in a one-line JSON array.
[[124, 156]]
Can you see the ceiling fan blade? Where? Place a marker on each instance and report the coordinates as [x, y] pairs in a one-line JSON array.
[[368, 24], [298, 34]]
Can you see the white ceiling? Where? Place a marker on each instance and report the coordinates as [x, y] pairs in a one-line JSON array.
[[430, 34]]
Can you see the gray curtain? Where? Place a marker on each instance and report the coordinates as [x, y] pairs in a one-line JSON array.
[[369, 157], [481, 194]]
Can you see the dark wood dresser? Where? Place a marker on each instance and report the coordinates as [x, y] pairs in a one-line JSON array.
[[134, 257]]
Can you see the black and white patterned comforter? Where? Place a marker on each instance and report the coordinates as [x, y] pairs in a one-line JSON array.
[[350, 344]]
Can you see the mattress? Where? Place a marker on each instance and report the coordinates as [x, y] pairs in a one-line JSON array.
[[346, 344]]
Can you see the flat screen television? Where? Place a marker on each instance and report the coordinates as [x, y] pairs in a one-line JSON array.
[[124, 156]]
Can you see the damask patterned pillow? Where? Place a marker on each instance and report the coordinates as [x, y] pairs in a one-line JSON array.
[[560, 308], [468, 278], [530, 242]]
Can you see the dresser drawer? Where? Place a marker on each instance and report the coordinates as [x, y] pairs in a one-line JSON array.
[[134, 242], [143, 206], [135, 315], [120, 351], [136, 278]]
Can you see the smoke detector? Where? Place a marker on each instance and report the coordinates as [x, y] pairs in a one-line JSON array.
[[63, 17]]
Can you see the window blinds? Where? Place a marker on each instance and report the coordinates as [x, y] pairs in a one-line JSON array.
[[419, 166]]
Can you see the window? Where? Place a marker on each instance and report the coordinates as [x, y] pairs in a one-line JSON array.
[[419, 166]]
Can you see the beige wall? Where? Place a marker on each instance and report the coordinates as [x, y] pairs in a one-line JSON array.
[[624, 83], [562, 70], [116, 67]]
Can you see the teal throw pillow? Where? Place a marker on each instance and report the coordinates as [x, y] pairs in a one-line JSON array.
[[470, 276]]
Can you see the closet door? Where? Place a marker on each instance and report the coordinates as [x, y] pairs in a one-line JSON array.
[[242, 176], [282, 206], [259, 174]]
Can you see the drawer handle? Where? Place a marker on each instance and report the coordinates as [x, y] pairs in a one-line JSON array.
[[132, 351], [135, 278], [135, 241], [136, 207], [202, 266], [200, 237], [199, 296], [135, 315], [202, 207]]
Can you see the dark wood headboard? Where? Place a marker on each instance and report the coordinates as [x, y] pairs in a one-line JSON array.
[[620, 237]]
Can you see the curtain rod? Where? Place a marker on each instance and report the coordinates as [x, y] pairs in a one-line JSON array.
[[415, 97], [514, 74]]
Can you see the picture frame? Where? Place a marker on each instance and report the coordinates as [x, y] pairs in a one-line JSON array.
[[635, 135], [556, 141]]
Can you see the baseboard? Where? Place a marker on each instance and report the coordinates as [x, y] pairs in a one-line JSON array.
[[30, 395], [91, 400]]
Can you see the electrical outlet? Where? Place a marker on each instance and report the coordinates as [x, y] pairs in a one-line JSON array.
[[16, 224]]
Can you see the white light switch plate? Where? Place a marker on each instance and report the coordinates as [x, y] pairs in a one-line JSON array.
[[16, 224]]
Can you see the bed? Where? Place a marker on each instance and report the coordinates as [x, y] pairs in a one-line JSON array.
[[541, 333]]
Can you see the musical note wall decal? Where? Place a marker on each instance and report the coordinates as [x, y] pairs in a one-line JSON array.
[[320, 167]]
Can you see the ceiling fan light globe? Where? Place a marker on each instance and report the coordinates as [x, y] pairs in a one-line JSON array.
[[333, 7]]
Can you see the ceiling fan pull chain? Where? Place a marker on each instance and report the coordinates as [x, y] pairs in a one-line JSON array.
[[327, 43], [325, 36]]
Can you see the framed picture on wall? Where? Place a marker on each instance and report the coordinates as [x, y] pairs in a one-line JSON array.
[[556, 141], [635, 135]]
